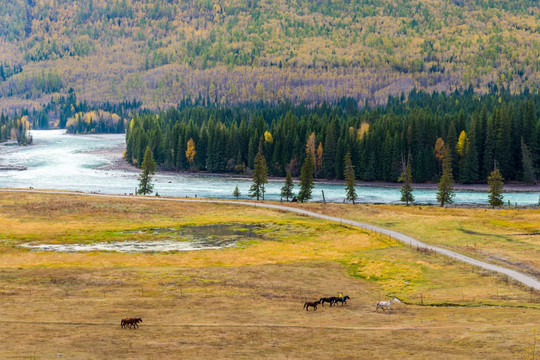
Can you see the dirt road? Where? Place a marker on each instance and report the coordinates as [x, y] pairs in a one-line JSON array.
[[520, 277]]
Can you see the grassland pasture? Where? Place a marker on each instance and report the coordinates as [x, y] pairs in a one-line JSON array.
[[507, 237], [245, 301]]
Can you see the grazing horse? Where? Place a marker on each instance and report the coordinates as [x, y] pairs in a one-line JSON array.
[[342, 300], [329, 300], [135, 323], [131, 322], [309, 304], [387, 304]]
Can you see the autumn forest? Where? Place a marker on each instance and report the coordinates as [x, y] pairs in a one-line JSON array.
[[237, 51]]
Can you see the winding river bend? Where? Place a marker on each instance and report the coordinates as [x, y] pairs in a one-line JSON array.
[[87, 163]]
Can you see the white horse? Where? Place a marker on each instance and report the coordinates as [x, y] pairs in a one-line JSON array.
[[387, 304]]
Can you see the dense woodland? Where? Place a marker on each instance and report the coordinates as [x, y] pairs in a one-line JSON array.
[[479, 130], [237, 51]]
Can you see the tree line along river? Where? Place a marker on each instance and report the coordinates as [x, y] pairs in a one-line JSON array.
[[89, 163]]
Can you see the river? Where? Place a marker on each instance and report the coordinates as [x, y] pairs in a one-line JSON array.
[[57, 160]]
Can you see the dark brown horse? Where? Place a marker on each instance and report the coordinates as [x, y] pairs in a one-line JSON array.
[[309, 304], [131, 322], [342, 300], [330, 300]]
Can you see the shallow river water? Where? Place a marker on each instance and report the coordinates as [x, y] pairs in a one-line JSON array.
[[75, 162]]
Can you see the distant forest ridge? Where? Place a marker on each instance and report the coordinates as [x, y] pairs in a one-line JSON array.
[[480, 131], [238, 51]]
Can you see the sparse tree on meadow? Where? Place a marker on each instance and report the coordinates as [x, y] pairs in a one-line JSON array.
[[260, 176], [495, 182], [406, 189], [350, 180], [236, 193], [446, 193], [306, 179], [148, 169], [286, 190]]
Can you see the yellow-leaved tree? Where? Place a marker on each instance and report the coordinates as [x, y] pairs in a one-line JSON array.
[[319, 159], [362, 130], [438, 151], [268, 137], [310, 145], [461, 144], [190, 152]]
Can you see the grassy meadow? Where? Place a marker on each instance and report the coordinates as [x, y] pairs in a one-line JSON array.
[[245, 301], [507, 237]]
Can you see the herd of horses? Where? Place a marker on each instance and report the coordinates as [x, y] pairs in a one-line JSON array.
[[333, 300], [132, 323]]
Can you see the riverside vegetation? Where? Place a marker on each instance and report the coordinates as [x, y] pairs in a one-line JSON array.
[[247, 300], [476, 131]]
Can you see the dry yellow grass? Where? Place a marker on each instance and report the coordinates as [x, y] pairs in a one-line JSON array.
[[508, 237], [237, 312], [243, 302]]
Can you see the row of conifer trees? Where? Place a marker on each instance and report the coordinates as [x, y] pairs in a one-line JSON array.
[[477, 129]]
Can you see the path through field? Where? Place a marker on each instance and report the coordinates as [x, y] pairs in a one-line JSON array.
[[518, 276]]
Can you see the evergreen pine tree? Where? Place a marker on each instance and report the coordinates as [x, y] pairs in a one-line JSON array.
[[480, 140], [306, 179], [260, 176], [489, 146], [180, 153], [239, 167], [350, 180], [503, 150], [529, 121], [468, 164], [406, 189], [446, 185], [536, 144], [369, 171], [527, 164], [330, 153], [202, 146], [148, 169], [451, 141], [236, 193], [286, 190], [338, 161], [495, 181]]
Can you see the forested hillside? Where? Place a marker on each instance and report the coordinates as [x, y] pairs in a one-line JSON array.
[[479, 131], [235, 51]]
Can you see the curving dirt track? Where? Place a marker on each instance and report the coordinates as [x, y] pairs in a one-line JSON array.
[[520, 277]]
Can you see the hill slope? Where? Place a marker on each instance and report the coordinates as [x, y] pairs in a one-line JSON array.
[[232, 51]]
